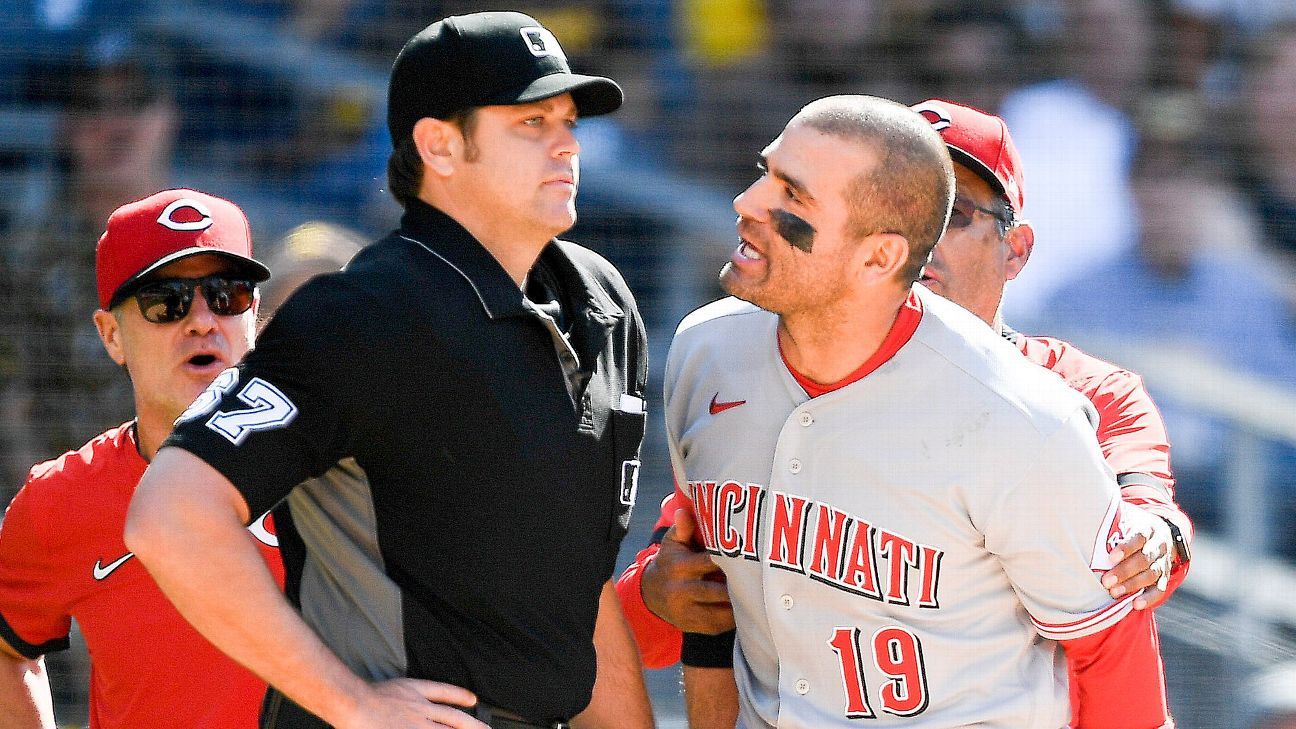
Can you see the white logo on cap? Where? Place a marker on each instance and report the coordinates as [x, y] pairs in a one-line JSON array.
[[167, 218], [934, 115], [542, 43]]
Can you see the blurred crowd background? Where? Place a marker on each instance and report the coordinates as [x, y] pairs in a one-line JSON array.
[[1159, 142]]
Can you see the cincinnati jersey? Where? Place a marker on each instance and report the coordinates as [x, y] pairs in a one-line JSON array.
[[62, 556], [1131, 434], [898, 549]]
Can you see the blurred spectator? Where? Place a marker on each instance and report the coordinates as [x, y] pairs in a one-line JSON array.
[[755, 62], [1274, 693], [1252, 16], [1194, 269], [973, 51], [41, 39], [120, 130], [1195, 284], [832, 47], [1077, 139], [303, 253], [331, 157], [1199, 46], [342, 24], [352, 25], [739, 88], [234, 112], [374, 30], [1267, 145]]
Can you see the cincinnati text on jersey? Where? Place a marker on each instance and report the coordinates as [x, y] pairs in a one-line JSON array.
[[826, 544]]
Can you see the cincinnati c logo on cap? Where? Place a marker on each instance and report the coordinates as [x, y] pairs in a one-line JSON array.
[[542, 43], [168, 218], [935, 117]]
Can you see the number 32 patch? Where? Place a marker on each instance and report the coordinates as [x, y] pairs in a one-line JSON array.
[[268, 408]]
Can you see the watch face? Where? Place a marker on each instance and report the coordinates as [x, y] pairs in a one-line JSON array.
[[1182, 554]]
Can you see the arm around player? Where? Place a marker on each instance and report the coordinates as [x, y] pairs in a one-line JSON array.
[[1065, 513], [1133, 438]]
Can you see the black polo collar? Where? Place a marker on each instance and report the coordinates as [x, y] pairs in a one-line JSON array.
[[443, 237]]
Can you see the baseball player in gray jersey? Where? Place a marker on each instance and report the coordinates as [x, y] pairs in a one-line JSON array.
[[911, 517]]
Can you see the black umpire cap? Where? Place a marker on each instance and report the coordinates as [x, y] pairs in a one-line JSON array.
[[484, 59]]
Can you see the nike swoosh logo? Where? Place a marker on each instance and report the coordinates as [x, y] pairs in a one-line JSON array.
[[101, 571], [718, 407]]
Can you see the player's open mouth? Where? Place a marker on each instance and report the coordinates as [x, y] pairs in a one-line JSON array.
[[202, 360], [747, 251]]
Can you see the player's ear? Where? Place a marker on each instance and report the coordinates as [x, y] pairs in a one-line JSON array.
[[1019, 241], [438, 143], [883, 255], [110, 334]]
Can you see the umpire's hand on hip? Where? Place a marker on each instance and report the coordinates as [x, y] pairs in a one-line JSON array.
[[409, 702]]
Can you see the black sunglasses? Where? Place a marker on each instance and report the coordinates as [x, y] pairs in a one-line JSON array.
[[168, 300], [964, 210]]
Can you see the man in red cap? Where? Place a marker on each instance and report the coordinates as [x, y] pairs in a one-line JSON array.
[[177, 289], [986, 243]]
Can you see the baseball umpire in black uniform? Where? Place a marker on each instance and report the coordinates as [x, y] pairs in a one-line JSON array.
[[468, 397]]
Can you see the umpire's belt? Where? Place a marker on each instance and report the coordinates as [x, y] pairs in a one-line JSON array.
[[501, 719]]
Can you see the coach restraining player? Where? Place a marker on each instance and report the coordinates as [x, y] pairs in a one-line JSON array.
[[487, 379], [986, 243]]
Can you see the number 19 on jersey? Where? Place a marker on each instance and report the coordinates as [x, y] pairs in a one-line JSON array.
[[894, 651]]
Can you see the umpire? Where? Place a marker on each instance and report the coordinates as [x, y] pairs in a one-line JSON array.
[[469, 391]]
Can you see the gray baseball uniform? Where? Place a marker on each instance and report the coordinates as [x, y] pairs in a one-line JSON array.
[[902, 548]]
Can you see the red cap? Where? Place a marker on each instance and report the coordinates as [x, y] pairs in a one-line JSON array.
[[980, 142], [146, 235]]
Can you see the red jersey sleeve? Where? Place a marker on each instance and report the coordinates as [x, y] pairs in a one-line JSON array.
[[659, 641], [35, 614], [1117, 679], [1131, 431], [1133, 439]]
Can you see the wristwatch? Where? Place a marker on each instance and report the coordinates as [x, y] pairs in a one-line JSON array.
[[1178, 543]]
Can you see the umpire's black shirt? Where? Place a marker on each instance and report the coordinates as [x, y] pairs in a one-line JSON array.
[[472, 495]]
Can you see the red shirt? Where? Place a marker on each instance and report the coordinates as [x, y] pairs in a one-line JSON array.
[[62, 556], [1131, 433]]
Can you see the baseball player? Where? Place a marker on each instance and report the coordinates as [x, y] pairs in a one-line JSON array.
[[910, 516], [177, 294], [484, 379], [986, 243]]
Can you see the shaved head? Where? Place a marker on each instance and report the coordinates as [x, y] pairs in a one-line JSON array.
[[909, 190]]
